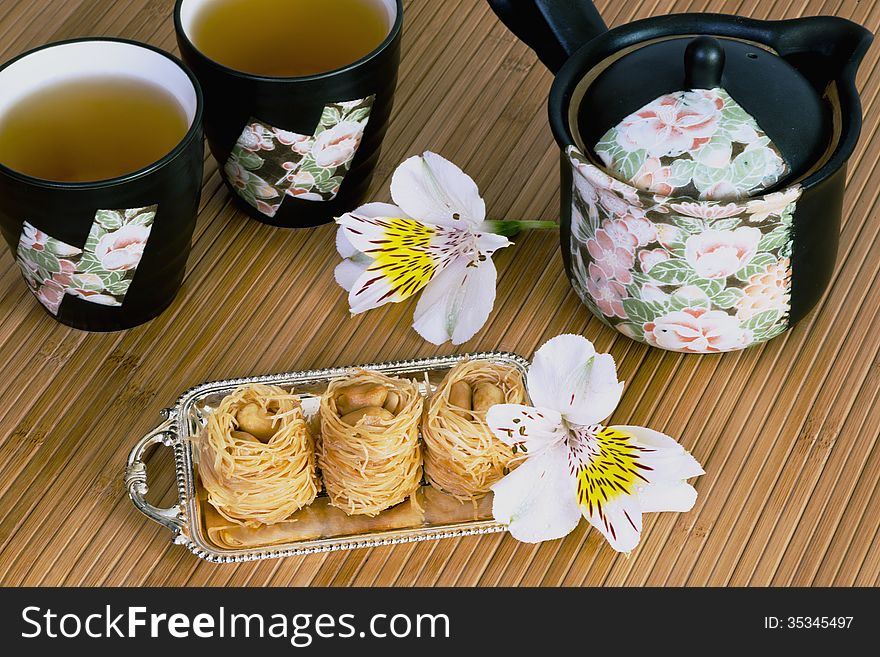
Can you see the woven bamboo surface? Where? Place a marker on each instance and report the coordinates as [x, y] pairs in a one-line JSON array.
[[787, 432]]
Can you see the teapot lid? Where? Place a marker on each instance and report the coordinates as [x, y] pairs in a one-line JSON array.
[[710, 118]]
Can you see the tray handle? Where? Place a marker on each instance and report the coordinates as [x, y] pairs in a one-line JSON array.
[[136, 478]]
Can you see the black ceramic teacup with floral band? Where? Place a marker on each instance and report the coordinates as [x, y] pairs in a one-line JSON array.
[[703, 165], [110, 253], [296, 151]]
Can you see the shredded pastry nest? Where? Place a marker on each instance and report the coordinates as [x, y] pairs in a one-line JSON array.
[[253, 483], [462, 456], [368, 469]]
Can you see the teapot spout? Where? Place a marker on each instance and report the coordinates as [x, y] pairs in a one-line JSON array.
[[824, 49]]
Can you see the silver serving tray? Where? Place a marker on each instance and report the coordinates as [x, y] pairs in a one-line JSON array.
[[444, 517]]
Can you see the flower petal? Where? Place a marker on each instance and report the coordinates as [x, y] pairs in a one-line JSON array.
[[434, 190], [532, 428], [568, 376], [457, 303], [679, 497], [537, 500], [349, 271], [371, 210], [374, 289], [343, 245], [369, 223], [669, 461], [407, 255], [489, 243], [619, 520]]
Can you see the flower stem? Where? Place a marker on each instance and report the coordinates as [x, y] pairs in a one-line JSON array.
[[509, 228]]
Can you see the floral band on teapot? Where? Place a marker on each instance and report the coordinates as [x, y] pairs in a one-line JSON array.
[[699, 143], [268, 164], [677, 273]]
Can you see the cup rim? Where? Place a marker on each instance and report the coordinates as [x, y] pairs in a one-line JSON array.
[[194, 129], [389, 39]]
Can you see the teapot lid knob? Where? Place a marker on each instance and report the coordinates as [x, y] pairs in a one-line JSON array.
[[703, 63]]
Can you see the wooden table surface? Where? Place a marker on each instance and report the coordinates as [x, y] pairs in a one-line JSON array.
[[787, 432]]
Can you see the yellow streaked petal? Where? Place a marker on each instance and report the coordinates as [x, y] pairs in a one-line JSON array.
[[612, 470], [403, 257]]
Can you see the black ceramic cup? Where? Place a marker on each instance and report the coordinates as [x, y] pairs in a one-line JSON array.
[[296, 151], [106, 255]]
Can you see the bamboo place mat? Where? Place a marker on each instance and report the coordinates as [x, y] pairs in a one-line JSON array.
[[787, 432]]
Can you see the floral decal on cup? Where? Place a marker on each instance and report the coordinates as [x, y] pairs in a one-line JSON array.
[[700, 143], [99, 273], [269, 164], [683, 275]]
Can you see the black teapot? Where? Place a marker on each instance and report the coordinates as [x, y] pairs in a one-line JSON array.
[[703, 165]]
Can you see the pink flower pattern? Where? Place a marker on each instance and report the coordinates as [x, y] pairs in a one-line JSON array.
[[706, 210], [769, 289], [607, 293], [269, 164], [50, 294], [620, 234], [699, 143], [298, 143], [678, 274], [256, 138], [616, 261], [722, 253], [336, 146], [650, 257], [698, 331], [65, 273], [654, 177], [672, 124], [122, 249], [33, 239], [641, 229]]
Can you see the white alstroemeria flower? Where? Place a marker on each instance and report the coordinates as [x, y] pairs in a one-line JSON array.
[[572, 465], [435, 239]]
